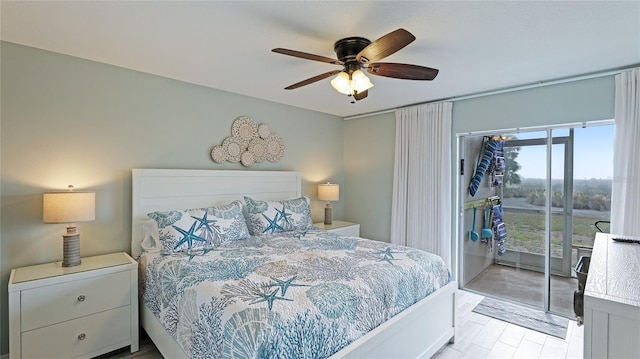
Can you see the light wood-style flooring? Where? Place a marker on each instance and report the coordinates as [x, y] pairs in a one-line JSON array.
[[477, 337], [147, 351]]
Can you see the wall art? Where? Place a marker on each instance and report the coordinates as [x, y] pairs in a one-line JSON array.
[[249, 143]]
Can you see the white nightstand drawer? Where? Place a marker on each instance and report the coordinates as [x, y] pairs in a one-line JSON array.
[[56, 303], [341, 228], [79, 337], [351, 231]]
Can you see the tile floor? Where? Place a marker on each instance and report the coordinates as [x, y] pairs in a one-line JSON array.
[[478, 336]]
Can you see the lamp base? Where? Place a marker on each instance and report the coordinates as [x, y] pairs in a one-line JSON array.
[[71, 250], [327, 214]]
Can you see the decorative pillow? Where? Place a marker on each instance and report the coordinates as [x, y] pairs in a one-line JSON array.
[[200, 228], [268, 217]]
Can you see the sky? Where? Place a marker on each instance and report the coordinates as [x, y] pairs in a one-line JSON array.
[[593, 154]]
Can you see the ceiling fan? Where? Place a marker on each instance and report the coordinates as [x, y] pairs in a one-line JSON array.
[[356, 54]]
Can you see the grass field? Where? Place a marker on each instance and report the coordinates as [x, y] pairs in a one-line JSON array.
[[525, 232]]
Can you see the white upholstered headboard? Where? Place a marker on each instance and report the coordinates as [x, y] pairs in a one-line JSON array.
[[176, 189]]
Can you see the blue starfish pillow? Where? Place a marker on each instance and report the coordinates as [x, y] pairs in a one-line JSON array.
[[200, 228], [269, 217]]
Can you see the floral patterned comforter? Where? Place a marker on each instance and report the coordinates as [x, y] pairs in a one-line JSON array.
[[294, 295]]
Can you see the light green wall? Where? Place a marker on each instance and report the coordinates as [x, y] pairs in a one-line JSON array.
[[71, 121], [369, 150], [369, 141], [577, 101]]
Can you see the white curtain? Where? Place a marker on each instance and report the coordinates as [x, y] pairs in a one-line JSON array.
[[625, 198], [421, 206]]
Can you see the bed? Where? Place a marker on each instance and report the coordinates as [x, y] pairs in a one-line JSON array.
[[415, 332]]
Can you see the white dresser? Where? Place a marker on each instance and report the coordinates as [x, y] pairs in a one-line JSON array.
[[612, 300], [340, 227], [69, 312]]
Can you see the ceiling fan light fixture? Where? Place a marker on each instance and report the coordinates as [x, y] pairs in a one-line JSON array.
[[350, 85], [357, 53], [360, 82], [342, 83]]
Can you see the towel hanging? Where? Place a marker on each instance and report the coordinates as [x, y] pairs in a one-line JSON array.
[[484, 160]]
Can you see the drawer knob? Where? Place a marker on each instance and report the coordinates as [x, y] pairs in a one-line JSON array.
[[81, 298], [81, 336]]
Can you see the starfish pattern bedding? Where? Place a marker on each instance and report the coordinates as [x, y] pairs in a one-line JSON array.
[[290, 295]]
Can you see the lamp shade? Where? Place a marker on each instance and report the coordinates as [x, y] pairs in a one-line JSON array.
[[328, 192], [68, 207]]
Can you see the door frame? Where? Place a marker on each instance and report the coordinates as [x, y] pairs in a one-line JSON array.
[[534, 261]]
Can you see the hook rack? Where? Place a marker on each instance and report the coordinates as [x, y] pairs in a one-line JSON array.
[[475, 204], [493, 200]]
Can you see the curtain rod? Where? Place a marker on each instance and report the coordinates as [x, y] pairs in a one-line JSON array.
[[583, 124], [505, 90]]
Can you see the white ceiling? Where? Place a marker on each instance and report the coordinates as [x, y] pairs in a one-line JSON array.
[[477, 46]]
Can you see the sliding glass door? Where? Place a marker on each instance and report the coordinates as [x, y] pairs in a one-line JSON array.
[[526, 211], [556, 186]]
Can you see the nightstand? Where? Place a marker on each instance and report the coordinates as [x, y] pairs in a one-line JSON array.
[[81, 311], [341, 228]]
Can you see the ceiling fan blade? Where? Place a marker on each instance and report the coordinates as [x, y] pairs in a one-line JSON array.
[[307, 56], [312, 80], [361, 95], [402, 71], [385, 46]]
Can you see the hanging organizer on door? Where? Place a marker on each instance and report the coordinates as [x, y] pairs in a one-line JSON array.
[[498, 165]]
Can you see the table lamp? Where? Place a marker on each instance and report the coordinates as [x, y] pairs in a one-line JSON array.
[[329, 192], [69, 207]]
